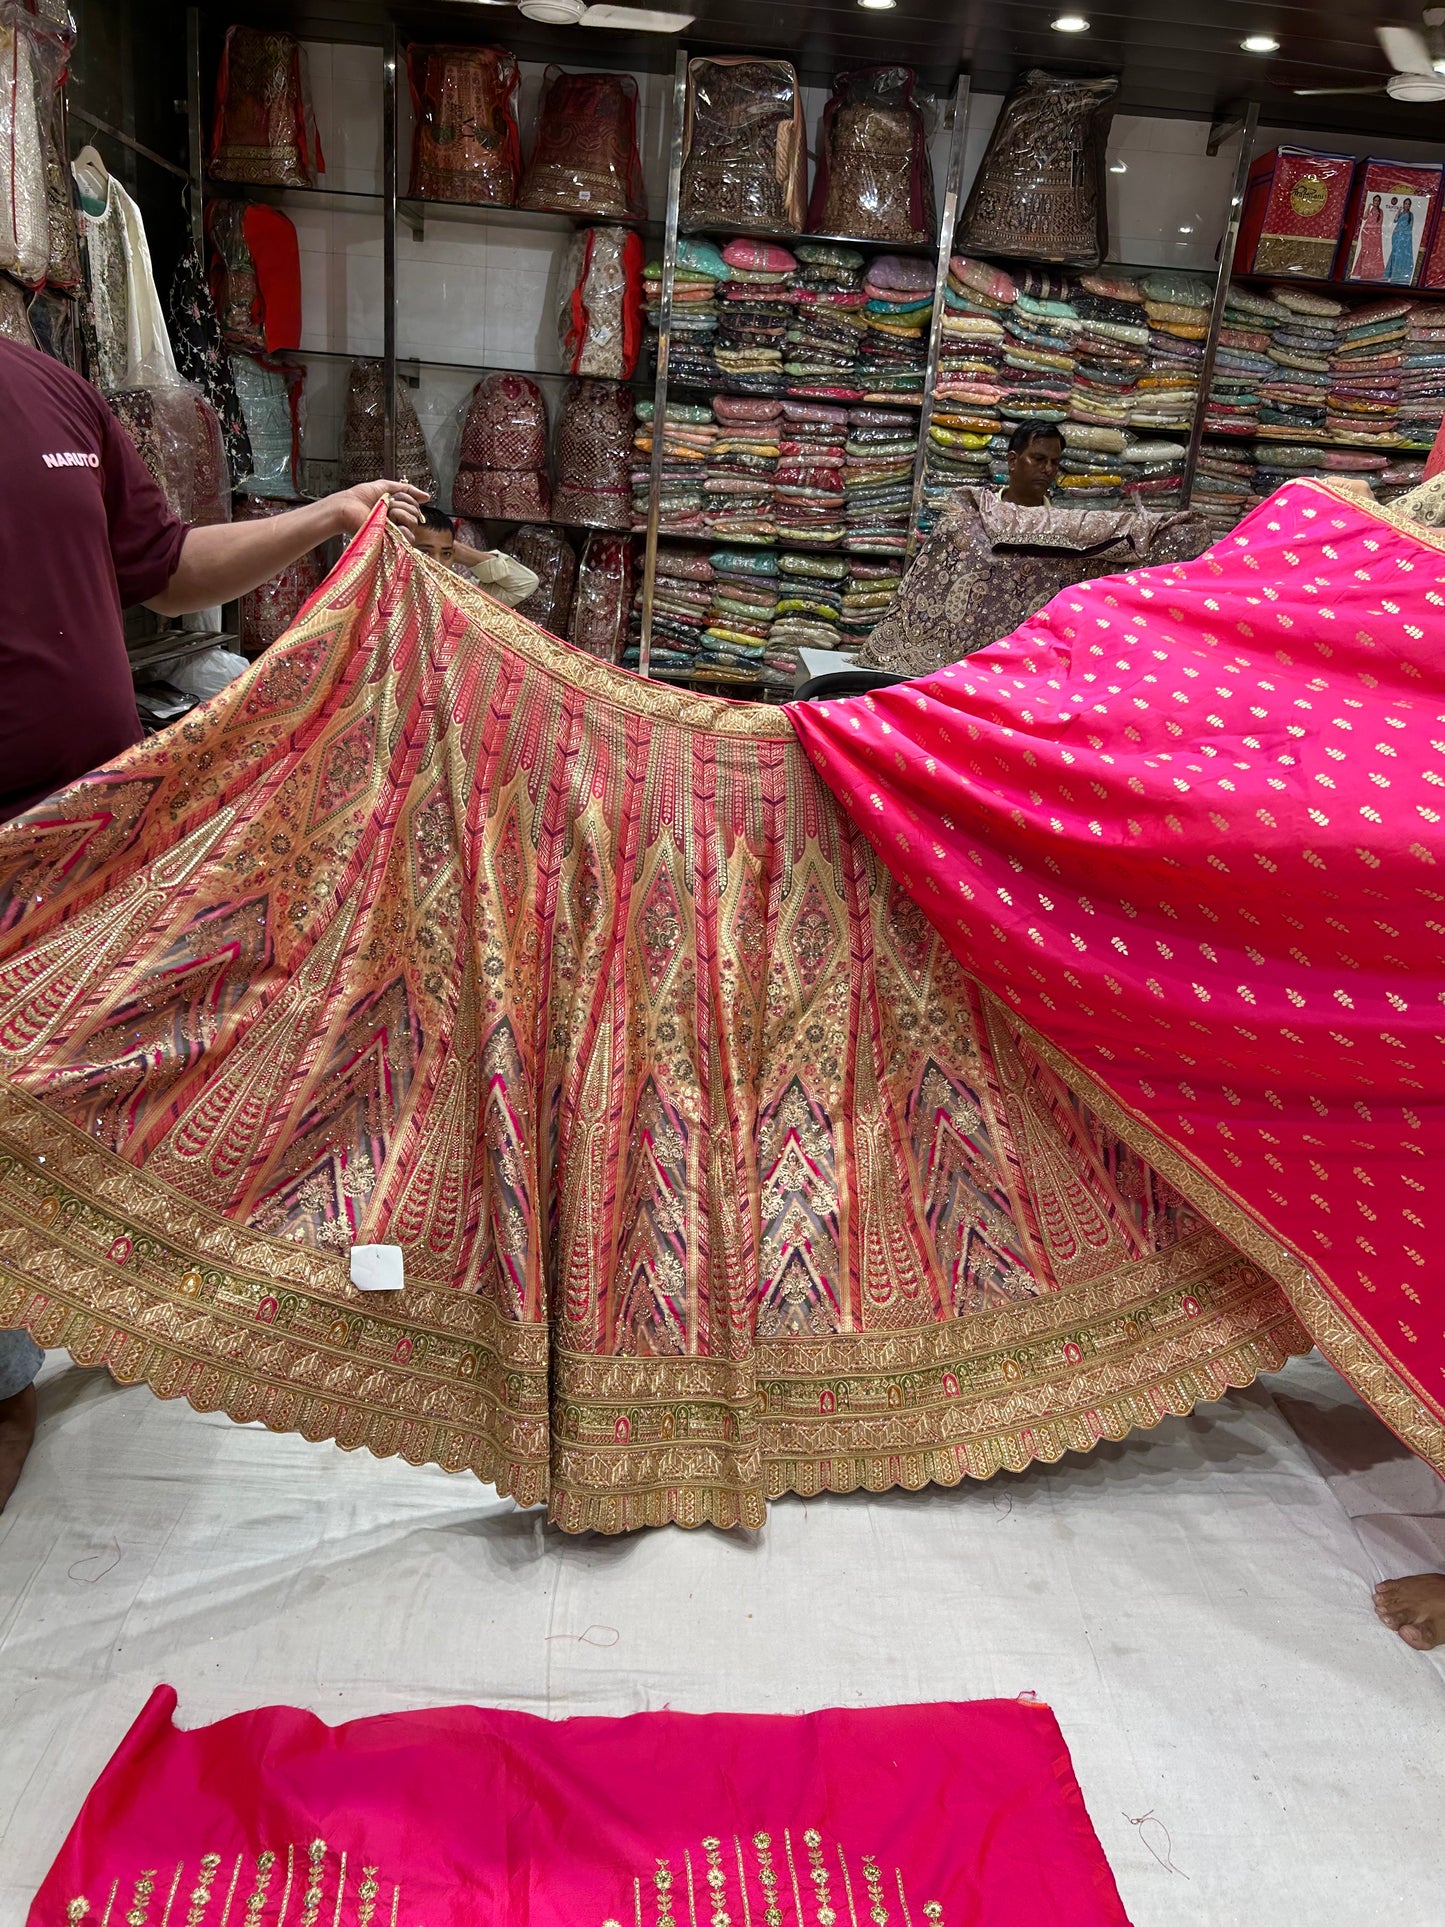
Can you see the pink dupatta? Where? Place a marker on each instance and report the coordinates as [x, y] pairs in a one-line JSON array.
[[1186, 823]]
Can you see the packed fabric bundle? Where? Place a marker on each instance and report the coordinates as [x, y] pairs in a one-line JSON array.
[[602, 599], [874, 179], [827, 325], [1039, 191], [550, 556], [594, 456], [809, 496], [809, 613], [584, 155], [264, 133], [363, 432], [755, 307], [744, 151], [465, 146], [33, 58], [503, 466], [1422, 373], [744, 599], [264, 614], [699, 271], [599, 310]]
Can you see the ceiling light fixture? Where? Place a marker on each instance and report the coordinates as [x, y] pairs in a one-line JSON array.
[[878, 6], [1260, 43], [1070, 23], [1118, 167]]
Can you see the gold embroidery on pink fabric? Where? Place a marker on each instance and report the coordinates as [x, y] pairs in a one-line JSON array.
[[311, 1899], [145, 1886], [201, 1892], [255, 1906]]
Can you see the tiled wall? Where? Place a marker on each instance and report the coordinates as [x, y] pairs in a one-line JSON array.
[[486, 295]]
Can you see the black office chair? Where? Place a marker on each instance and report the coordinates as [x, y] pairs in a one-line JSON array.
[[843, 682]]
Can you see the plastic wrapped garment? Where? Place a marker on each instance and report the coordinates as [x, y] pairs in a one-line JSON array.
[[603, 599], [1039, 193], [594, 456], [363, 434], [264, 131], [32, 59], [503, 466], [599, 307], [178, 436], [271, 395], [874, 179], [14, 321], [550, 557], [52, 322], [744, 152], [133, 343], [466, 147], [585, 158], [255, 276], [269, 611], [63, 269], [201, 357]]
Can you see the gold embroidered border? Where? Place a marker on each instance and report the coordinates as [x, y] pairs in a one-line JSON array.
[[1374, 1376], [124, 1273], [1391, 513]]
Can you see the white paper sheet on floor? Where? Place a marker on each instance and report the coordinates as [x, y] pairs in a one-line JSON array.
[[1194, 1603]]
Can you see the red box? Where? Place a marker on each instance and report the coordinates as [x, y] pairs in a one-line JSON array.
[[1392, 212], [1294, 212]]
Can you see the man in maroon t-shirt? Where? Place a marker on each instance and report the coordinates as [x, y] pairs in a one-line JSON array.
[[85, 533]]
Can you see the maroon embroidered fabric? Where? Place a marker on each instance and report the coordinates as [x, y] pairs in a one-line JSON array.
[[466, 146], [585, 159], [363, 434], [268, 612], [603, 600], [594, 456], [178, 436], [503, 466], [550, 556], [874, 178], [264, 131]]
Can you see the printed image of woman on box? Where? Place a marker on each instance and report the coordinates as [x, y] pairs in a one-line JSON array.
[[1370, 254], [1401, 265]]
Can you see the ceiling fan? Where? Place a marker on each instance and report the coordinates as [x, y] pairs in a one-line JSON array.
[[577, 13], [1417, 55]]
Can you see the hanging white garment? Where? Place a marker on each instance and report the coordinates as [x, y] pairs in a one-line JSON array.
[[24, 206], [130, 324]]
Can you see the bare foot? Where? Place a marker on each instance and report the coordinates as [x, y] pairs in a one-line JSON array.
[[1414, 1608], [17, 1431]]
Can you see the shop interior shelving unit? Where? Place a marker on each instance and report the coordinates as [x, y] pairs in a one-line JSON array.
[[396, 212]]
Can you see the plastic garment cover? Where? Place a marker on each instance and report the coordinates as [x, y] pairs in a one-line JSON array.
[[178, 435], [550, 557], [264, 131], [466, 147], [874, 180], [269, 611], [271, 396], [502, 470], [594, 456], [599, 307], [585, 158], [363, 434], [603, 599], [201, 356], [14, 321], [744, 151], [1039, 194], [32, 60]]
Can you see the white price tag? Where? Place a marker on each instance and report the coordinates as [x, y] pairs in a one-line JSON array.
[[377, 1267]]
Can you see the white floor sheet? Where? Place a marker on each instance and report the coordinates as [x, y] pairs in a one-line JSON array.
[[1194, 1603]]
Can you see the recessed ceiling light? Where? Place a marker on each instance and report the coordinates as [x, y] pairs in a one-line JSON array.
[[1260, 43], [1118, 167], [1070, 23], [1186, 230], [878, 6]]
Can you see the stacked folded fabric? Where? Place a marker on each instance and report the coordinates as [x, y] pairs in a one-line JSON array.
[[1176, 307], [971, 348], [808, 482], [1242, 364], [733, 646], [738, 484], [828, 323], [878, 479], [688, 435], [809, 614], [755, 307], [1110, 349], [1422, 373], [893, 352], [1293, 395], [868, 592], [1363, 399], [1223, 485], [681, 606], [1040, 331], [700, 272]]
